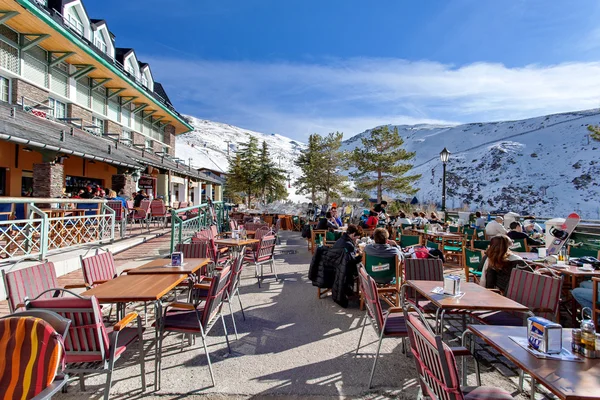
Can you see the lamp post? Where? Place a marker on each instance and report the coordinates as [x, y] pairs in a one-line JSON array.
[[444, 156]]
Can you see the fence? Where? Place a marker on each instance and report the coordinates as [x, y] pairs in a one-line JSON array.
[[44, 227], [185, 222]]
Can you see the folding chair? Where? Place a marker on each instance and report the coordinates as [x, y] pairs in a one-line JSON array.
[[409, 240], [519, 245], [90, 347], [196, 318], [471, 261], [387, 273], [388, 324], [481, 244], [38, 348]]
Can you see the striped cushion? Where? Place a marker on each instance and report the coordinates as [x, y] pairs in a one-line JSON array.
[[485, 393], [100, 267], [395, 326], [31, 353], [498, 318], [30, 282]]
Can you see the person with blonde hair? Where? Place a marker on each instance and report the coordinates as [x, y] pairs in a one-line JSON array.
[[498, 263]]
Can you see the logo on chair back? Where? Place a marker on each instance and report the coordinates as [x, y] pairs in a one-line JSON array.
[[380, 267], [515, 246], [474, 259]]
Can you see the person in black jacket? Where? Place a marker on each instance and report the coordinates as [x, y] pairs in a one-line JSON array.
[[516, 232], [326, 222], [348, 240]]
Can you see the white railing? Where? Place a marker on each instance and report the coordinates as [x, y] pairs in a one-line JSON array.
[[51, 225]]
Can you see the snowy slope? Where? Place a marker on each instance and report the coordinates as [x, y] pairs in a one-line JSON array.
[[206, 146], [541, 165]]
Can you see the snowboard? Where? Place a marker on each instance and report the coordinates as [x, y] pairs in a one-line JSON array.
[[560, 234]]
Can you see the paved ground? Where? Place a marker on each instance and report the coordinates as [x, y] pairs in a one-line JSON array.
[[291, 345]]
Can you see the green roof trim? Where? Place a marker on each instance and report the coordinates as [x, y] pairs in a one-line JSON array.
[[34, 9]]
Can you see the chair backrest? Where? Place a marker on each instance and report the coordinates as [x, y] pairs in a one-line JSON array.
[[236, 273], [214, 231], [118, 207], [472, 258], [197, 249], [175, 204], [540, 293], [316, 235], [88, 339], [454, 229], [98, 268], [209, 248], [130, 204], [423, 269], [158, 208], [432, 245], [262, 231], [583, 252], [145, 205], [204, 233], [33, 354], [479, 234], [409, 240], [266, 248], [435, 362], [8, 211], [59, 323], [519, 245], [214, 299], [381, 268], [481, 244], [368, 288], [183, 204], [28, 282]]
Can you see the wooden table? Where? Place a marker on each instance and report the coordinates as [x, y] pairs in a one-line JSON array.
[[237, 245], [439, 234], [135, 288], [568, 380], [475, 298], [573, 273], [162, 266]]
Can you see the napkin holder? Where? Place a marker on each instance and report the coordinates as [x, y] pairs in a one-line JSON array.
[[544, 336], [177, 259], [452, 285]]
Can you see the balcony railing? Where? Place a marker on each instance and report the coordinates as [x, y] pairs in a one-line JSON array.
[[186, 222]]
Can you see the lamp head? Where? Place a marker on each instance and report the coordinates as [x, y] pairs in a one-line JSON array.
[[444, 155], [135, 175]]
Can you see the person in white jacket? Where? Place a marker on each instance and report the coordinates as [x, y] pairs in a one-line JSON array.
[[495, 227]]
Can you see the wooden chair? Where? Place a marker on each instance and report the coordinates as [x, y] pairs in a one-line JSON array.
[[315, 238], [38, 347], [409, 240], [90, 347], [519, 245], [386, 324], [196, 317], [582, 252], [387, 273], [481, 244], [471, 261], [452, 248]]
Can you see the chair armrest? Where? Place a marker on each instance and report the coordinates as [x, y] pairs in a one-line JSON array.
[[595, 278], [78, 285], [125, 321], [184, 306], [201, 286], [392, 310], [99, 282], [495, 290], [206, 278], [126, 271], [460, 351]]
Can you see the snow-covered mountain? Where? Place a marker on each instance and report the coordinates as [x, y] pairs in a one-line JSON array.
[[545, 165], [208, 143]]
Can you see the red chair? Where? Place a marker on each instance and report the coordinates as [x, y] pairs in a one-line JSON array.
[[422, 269], [39, 347], [158, 212], [91, 347], [141, 214], [30, 282], [120, 215], [99, 268], [196, 318], [436, 367], [264, 254], [388, 324]]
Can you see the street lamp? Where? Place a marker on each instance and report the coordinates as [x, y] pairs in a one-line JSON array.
[[135, 175], [444, 156]]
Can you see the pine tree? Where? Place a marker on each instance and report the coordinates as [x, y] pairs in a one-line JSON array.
[[595, 132], [243, 169], [310, 161], [270, 180], [379, 164], [333, 183]]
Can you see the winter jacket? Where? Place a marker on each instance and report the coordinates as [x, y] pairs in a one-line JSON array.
[[329, 270]]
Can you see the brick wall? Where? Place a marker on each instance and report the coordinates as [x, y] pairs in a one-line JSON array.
[[170, 138], [74, 111], [32, 93], [48, 180], [112, 127], [123, 181], [138, 138]]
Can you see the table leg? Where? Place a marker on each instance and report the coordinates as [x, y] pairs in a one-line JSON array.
[[573, 302], [532, 395], [157, 329]]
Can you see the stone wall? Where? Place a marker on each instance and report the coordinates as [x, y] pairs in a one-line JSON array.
[[138, 138], [123, 181], [75, 111], [170, 138], [112, 127], [32, 93], [48, 180]]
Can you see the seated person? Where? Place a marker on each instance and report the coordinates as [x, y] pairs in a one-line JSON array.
[[583, 294], [372, 221], [327, 222], [516, 232], [435, 220], [479, 221], [348, 242], [364, 217], [382, 248], [402, 220], [498, 263], [495, 227], [335, 216]]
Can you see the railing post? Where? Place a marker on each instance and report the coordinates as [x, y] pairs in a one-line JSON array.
[[44, 233]]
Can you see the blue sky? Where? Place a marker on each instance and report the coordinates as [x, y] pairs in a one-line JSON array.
[[297, 67]]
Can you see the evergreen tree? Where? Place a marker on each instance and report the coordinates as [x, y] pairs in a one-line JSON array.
[[243, 169], [310, 161], [333, 183], [270, 180], [379, 163], [595, 132]]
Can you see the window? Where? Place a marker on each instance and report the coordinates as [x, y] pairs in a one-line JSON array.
[[127, 136], [144, 80], [100, 124], [130, 67], [57, 108], [74, 21], [4, 84], [100, 42], [148, 144]]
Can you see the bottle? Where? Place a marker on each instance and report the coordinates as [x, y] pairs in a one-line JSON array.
[[588, 334], [576, 341], [425, 229]]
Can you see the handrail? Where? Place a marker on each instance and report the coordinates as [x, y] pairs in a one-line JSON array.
[[33, 200]]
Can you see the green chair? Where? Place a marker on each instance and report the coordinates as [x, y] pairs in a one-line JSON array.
[[583, 252], [479, 234], [330, 237], [407, 240], [386, 272], [454, 229], [519, 245], [406, 226], [471, 262], [433, 245], [481, 244]]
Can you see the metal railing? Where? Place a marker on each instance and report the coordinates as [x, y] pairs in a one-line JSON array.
[[49, 228], [186, 222]]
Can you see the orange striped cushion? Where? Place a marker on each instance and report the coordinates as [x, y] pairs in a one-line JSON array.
[[30, 355]]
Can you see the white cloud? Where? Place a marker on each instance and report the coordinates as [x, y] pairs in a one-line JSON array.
[[356, 94]]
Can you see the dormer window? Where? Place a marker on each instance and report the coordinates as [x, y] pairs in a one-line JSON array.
[[130, 68], [100, 42], [144, 80], [74, 21]]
